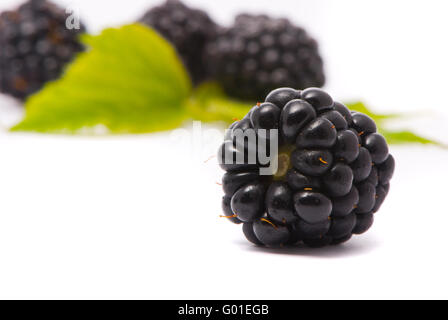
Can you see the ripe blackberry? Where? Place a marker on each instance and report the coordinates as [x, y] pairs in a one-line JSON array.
[[259, 54], [35, 47], [332, 176], [189, 30]]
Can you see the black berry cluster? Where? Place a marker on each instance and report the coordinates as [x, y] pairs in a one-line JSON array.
[[259, 54], [333, 172], [189, 30], [35, 47]]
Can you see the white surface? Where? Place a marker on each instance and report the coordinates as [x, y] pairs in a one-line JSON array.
[[137, 216]]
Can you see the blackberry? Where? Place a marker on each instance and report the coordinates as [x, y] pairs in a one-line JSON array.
[[35, 47], [258, 54], [189, 30], [333, 171]]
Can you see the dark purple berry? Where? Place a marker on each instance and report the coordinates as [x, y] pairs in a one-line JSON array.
[[343, 206], [279, 203], [362, 166], [381, 194], [373, 177], [248, 202], [270, 234], [248, 230], [367, 192], [331, 173], [319, 133], [295, 115], [232, 181], [280, 97], [227, 210], [386, 170], [318, 243], [357, 134], [344, 111], [338, 181], [189, 30], [265, 116], [312, 207], [259, 54], [363, 124], [342, 240], [363, 223], [307, 230], [346, 147], [35, 47], [299, 182], [336, 119], [377, 146], [312, 162], [318, 98], [341, 227]]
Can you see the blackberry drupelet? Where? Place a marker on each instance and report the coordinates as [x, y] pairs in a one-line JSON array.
[[189, 30], [35, 47], [259, 54], [332, 176]]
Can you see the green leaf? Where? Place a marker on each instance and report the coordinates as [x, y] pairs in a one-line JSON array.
[[130, 80], [407, 137], [209, 103]]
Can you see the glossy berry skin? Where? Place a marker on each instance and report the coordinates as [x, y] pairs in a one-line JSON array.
[[248, 230], [333, 172], [367, 197], [312, 207], [336, 119], [377, 146], [318, 98], [319, 133], [362, 166], [341, 227], [227, 210], [280, 97], [339, 180], [363, 223], [312, 162], [232, 181], [363, 123], [386, 170], [341, 240], [279, 203], [342, 206], [265, 116], [318, 242], [346, 147], [294, 117], [344, 112], [298, 181], [35, 47], [248, 202], [270, 234], [308, 231], [381, 194]]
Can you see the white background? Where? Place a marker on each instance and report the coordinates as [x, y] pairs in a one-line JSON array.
[[137, 216]]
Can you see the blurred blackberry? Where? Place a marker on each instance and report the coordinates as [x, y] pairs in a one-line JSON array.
[[332, 176], [35, 47], [189, 30], [259, 54]]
